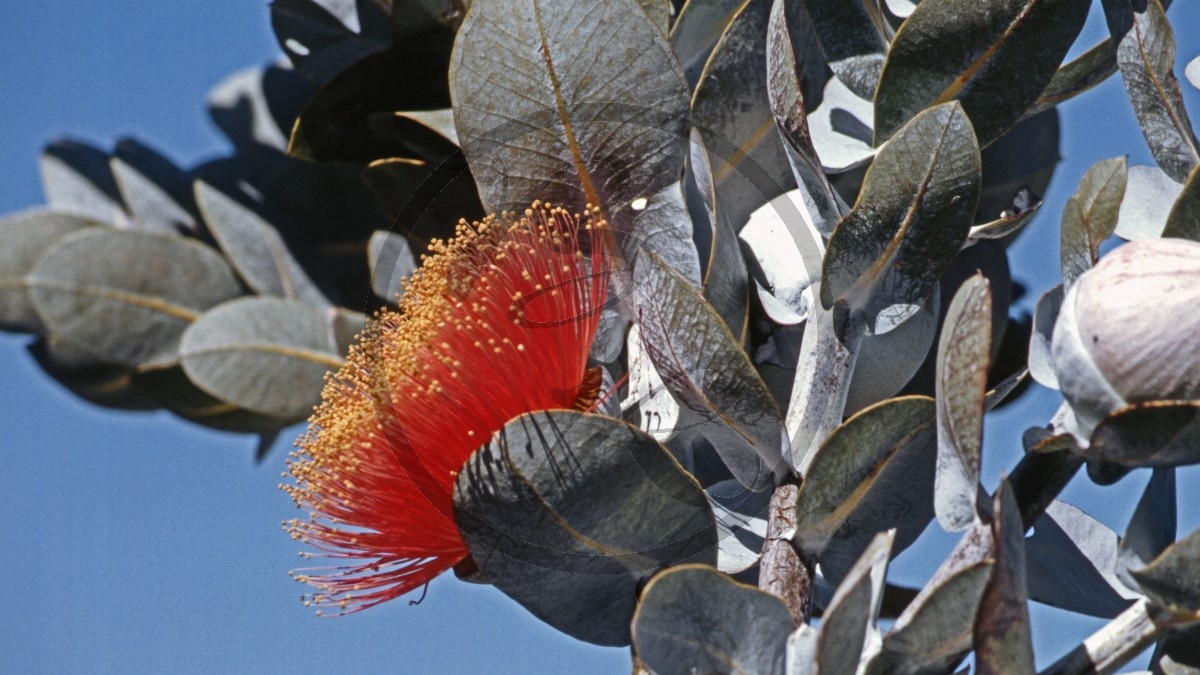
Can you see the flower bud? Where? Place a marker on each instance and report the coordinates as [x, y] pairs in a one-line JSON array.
[[1127, 331]]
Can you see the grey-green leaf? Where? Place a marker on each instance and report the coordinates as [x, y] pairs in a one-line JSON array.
[[267, 355], [853, 37], [731, 109], [854, 461], [742, 523], [125, 296], [1146, 57], [1149, 194], [911, 218], [937, 627], [77, 179], [854, 608], [1171, 579], [26, 236], [391, 260], [545, 509], [255, 249], [1184, 219], [546, 108], [962, 368], [1003, 643], [154, 190], [707, 371], [693, 619], [784, 87], [1156, 433], [1041, 359], [1090, 216], [726, 281], [697, 30], [996, 58]]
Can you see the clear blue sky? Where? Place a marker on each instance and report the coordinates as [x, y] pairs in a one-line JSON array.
[[139, 543]]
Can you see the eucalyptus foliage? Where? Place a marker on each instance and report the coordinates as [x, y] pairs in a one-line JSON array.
[[811, 201]]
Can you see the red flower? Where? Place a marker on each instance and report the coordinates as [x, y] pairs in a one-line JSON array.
[[496, 323]]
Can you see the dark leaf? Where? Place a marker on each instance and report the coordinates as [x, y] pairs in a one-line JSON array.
[[1090, 216], [1003, 643], [257, 107], [171, 388], [784, 87], [1022, 159], [1152, 527], [1184, 220], [1157, 433], [732, 111], [853, 36], [1024, 207], [267, 355], [424, 201], [726, 283], [1073, 564], [995, 58], [962, 366], [1171, 580], [854, 608], [545, 509], [1118, 14], [1146, 57], [324, 37], [126, 297], [102, 385], [911, 218], [1078, 75], [697, 30], [335, 124], [26, 236], [705, 368], [694, 619]]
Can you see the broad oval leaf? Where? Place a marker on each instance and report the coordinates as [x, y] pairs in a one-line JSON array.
[[996, 58], [911, 218], [255, 249], [1090, 216], [546, 108], [256, 107], [1171, 579], [267, 355], [1146, 57], [693, 619], [26, 236], [545, 509], [856, 462], [126, 297], [172, 389], [1155, 434], [962, 368], [154, 190], [707, 371], [77, 179]]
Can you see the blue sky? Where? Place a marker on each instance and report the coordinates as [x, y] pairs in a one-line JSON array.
[[139, 543]]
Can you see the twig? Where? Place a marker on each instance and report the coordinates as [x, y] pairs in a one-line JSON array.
[[783, 571]]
